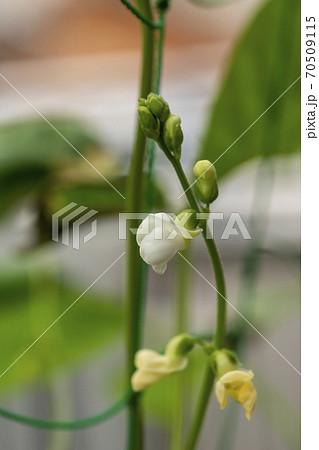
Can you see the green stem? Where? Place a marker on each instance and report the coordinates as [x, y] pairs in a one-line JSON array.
[[204, 396], [141, 16], [221, 304], [135, 205], [149, 194], [179, 405], [214, 256]]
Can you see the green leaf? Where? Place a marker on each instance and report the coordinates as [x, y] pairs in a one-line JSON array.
[[36, 160], [34, 142], [97, 195], [265, 63], [31, 150], [30, 301]]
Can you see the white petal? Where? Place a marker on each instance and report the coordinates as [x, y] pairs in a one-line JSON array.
[[156, 251], [160, 268], [145, 228], [149, 223]]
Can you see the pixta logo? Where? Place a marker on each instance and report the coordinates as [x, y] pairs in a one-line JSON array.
[[69, 220]]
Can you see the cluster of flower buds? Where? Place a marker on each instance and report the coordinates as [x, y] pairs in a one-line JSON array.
[[205, 186], [159, 124], [233, 382]]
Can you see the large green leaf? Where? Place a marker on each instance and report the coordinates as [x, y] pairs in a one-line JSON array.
[[30, 301], [265, 63]]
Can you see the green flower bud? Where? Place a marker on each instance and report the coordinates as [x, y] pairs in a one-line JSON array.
[[158, 106], [142, 102], [179, 346], [187, 219], [162, 4], [149, 123], [173, 135], [206, 188], [223, 361]]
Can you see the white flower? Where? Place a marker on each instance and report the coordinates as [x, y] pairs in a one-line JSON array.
[[160, 239]]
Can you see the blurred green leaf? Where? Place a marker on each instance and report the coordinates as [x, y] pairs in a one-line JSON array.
[[35, 160], [31, 150], [265, 63], [16, 183], [98, 196], [35, 142], [29, 305]]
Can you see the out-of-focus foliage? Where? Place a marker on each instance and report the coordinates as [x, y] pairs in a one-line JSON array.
[[32, 154], [32, 298], [36, 161], [35, 142], [264, 64]]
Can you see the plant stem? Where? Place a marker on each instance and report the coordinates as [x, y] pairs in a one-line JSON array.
[[214, 256], [208, 380], [204, 396], [179, 404], [135, 205]]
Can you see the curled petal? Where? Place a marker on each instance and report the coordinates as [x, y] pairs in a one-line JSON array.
[[142, 379], [221, 394], [152, 367], [190, 234], [235, 376], [247, 397], [150, 360]]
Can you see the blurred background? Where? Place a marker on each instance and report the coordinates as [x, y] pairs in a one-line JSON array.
[[76, 63]]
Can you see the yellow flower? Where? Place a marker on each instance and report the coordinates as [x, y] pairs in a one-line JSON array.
[[238, 385], [152, 367]]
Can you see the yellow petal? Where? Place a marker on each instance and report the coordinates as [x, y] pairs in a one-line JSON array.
[[177, 364], [235, 376], [146, 359], [142, 379], [247, 397], [152, 361], [221, 394]]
